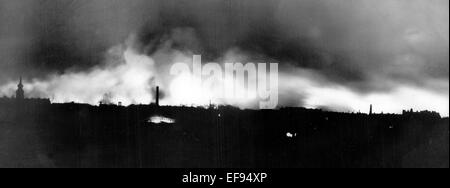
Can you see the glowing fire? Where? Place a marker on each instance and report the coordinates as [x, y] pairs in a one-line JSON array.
[[160, 120]]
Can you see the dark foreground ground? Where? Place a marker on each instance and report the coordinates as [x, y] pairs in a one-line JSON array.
[[72, 135]]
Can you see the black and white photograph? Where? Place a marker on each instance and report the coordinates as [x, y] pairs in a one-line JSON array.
[[224, 84]]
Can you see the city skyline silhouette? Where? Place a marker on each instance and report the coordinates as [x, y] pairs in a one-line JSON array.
[[237, 84]]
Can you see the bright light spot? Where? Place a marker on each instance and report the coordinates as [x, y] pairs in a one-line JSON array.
[[291, 135], [161, 119]]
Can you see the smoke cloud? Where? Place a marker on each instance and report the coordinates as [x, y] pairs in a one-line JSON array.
[[340, 55]]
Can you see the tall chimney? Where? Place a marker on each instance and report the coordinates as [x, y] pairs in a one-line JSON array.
[[371, 110], [157, 96]]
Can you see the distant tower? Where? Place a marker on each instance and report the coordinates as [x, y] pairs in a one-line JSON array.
[[157, 96], [20, 94], [371, 110]]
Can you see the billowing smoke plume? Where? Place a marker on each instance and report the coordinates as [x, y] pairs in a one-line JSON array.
[[335, 54]]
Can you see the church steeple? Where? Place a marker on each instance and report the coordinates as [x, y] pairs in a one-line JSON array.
[[20, 93]]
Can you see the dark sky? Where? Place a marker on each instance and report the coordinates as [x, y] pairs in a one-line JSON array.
[[365, 46]]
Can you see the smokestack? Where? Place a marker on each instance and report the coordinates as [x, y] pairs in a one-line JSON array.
[[371, 110], [157, 96]]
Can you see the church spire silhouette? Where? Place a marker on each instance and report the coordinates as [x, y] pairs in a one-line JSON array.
[[20, 93]]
